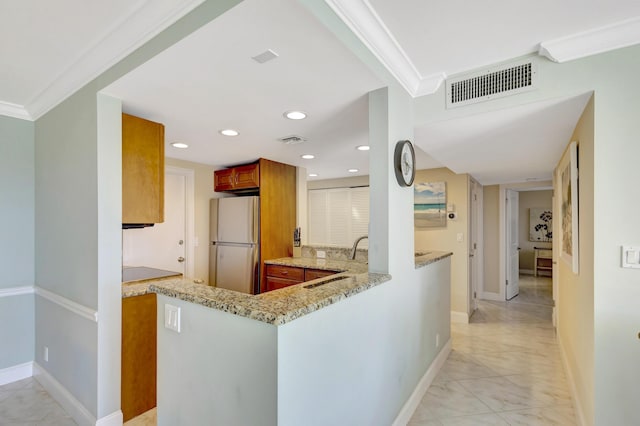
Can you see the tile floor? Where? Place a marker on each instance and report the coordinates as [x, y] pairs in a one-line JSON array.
[[504, 369]]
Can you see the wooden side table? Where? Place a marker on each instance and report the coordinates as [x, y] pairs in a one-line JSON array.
[[543, 261]]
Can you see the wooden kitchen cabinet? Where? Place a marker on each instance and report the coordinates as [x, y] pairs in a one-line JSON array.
[[283, 276], [244, 178], [142, 171], [314, 274], [138, 371]]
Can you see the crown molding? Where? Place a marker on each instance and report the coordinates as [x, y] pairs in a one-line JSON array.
[[367, 25], [124, 36], [14, 110], [621, 34]]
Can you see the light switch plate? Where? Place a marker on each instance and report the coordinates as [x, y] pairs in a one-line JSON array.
[[172, 317], [321, 254], [630, 257]]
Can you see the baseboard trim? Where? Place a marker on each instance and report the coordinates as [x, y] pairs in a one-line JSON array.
[[113, 419], [71, 405], [16, 372], [492, 296], [459, 317], [423, 385], [577, 407]]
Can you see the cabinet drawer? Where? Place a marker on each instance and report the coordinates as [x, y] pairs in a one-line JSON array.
[[314, 274], [274, 283], [288, 272]]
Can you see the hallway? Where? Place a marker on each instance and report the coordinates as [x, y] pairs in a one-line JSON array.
[[505, 367]]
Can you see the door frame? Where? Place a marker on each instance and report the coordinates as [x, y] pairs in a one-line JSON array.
[[475, 188], [502, 227], [189, 216]]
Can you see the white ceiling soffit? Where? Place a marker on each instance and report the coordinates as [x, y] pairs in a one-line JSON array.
[[365, 23], [505, 146], [123, 36], [363, 19], [592, 42]]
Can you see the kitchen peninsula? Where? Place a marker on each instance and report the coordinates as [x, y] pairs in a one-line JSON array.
[[269, 359]]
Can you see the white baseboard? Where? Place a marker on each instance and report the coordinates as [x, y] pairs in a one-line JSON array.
[[71, 405], [492, 296], [412, 403], [16, 372], [577, 407], [113, 419], [459, 317], [526, 272]]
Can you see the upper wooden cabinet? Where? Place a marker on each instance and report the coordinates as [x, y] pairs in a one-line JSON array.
[[142, 171], [239, 178]]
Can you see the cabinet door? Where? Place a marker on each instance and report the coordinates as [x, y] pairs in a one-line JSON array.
[[274, 283], [138, 370], [142, 170], [287, 272], [314, 274], [247, 177], [223, 180]]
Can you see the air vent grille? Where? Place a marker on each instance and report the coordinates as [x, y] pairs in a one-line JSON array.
[[491, 84], [292, 140]]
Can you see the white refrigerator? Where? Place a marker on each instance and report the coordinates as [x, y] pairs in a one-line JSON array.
[[234, 252]]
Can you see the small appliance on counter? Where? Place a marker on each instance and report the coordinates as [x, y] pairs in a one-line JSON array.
[[297, 249], [234, 258]]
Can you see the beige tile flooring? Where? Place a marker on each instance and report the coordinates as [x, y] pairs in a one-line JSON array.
[[504, 369]]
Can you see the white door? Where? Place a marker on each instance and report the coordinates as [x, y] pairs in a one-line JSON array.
[[161, 246], [513, 266]]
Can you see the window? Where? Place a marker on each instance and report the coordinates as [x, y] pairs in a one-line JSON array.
[[338, 216]]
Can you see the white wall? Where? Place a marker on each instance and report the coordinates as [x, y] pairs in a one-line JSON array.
[[17, 251]]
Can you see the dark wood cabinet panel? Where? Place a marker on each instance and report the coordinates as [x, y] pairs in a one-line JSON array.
[[241, 178], [223, 180], [288, 272], [274, 283], [314, 274], [142, 170], [138, 371]]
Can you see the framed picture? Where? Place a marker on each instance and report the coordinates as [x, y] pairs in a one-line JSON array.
[[540, 225], [568, 179], [430, 205]]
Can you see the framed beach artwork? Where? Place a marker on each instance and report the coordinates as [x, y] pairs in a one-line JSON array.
[[540, 225], [430, 205], [568, 178]]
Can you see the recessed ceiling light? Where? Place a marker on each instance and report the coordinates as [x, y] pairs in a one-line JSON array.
[[313, 175], [295, 115], [179, 145], [353, 170], [229, 132], [308, 156], [363, 148]]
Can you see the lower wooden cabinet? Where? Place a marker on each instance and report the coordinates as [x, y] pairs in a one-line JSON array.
[[139, 333], [283, 276]]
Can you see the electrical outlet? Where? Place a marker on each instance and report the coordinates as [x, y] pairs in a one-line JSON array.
[[45, 355], [321, 254], [437, 340], [172, 317]]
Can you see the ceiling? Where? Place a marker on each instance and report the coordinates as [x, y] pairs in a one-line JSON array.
[[208, 81]]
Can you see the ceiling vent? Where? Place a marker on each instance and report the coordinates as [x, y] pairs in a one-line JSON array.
[[292, 140], [497, 82], [265, 56]]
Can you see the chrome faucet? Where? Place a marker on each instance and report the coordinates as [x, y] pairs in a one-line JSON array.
[[355, 246]]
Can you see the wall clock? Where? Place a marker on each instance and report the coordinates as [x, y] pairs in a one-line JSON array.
[[404, 161]]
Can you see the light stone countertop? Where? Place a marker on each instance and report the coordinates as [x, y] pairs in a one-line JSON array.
[[430, 256], [280, 306]]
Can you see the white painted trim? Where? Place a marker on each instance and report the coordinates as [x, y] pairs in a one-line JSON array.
[[459, 317], [367, 25], [68, 304], [16, 291], [488, 295], [412, 403], [122, 38], [577, 407], [189, 175], [71, 405], [14, 110], [113, 419], [16, 372], [591, 42]]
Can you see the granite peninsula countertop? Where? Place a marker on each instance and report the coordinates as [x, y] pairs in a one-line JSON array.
[[280, 306], [424, 258]]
